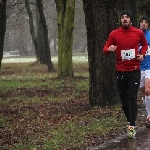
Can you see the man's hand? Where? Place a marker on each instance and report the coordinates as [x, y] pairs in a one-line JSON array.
[[112, 48], [140, 57]]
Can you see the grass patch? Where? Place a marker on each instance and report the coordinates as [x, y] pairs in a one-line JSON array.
[[41, 111], [1, 122]]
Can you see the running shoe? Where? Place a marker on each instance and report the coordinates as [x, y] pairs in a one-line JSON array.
[[147, 124], [131, 131]]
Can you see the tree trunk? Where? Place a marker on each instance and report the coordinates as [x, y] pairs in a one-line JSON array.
[[100, 19], [42, 52], [65, 20], [45, 37], [2, 27], [32, 30]]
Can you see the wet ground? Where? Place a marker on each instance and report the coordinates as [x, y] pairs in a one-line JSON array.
[[141, 142]]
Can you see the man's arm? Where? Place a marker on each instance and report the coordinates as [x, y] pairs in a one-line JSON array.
[[144, 44], [109, 46]]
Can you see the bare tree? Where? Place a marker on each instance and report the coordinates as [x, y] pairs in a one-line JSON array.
[[2, 27], [32, 30], [45, 37], [65, 20], [100, 19]]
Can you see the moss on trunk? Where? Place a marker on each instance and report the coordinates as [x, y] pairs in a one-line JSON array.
[[65, 13]]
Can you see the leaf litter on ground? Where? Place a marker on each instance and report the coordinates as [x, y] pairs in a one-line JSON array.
[[55, 116]]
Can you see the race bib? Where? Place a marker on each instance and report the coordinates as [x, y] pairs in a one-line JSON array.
[[148, 51], [128, 54]]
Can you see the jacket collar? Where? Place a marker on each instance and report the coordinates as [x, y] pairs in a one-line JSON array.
[[125, 29], [145, 31]]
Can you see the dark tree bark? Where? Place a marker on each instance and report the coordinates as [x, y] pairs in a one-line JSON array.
[[40, 34], [100, 19], [32, 30], [2, 27], [45, 37]]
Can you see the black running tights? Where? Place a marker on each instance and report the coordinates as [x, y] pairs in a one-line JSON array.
[[128, 84]]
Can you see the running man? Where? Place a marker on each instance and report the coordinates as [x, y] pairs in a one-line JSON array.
[[124, 41], [145, 68]]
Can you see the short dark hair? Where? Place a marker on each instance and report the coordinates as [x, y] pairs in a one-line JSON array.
[[127, 12], [144, 18]]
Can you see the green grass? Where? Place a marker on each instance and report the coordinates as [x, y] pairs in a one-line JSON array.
[[44, 112], [73, 133], [1, 122]]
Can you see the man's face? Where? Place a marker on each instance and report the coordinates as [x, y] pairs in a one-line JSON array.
[[125, 21], [144, 25]]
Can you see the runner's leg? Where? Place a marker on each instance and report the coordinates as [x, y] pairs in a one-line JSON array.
[[133, 83], [123, 92], [147, 92]]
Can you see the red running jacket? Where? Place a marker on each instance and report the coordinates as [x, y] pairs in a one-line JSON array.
[[127, 42]]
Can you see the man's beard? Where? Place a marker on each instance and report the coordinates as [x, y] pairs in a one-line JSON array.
[[144, 28], [126, 25]]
